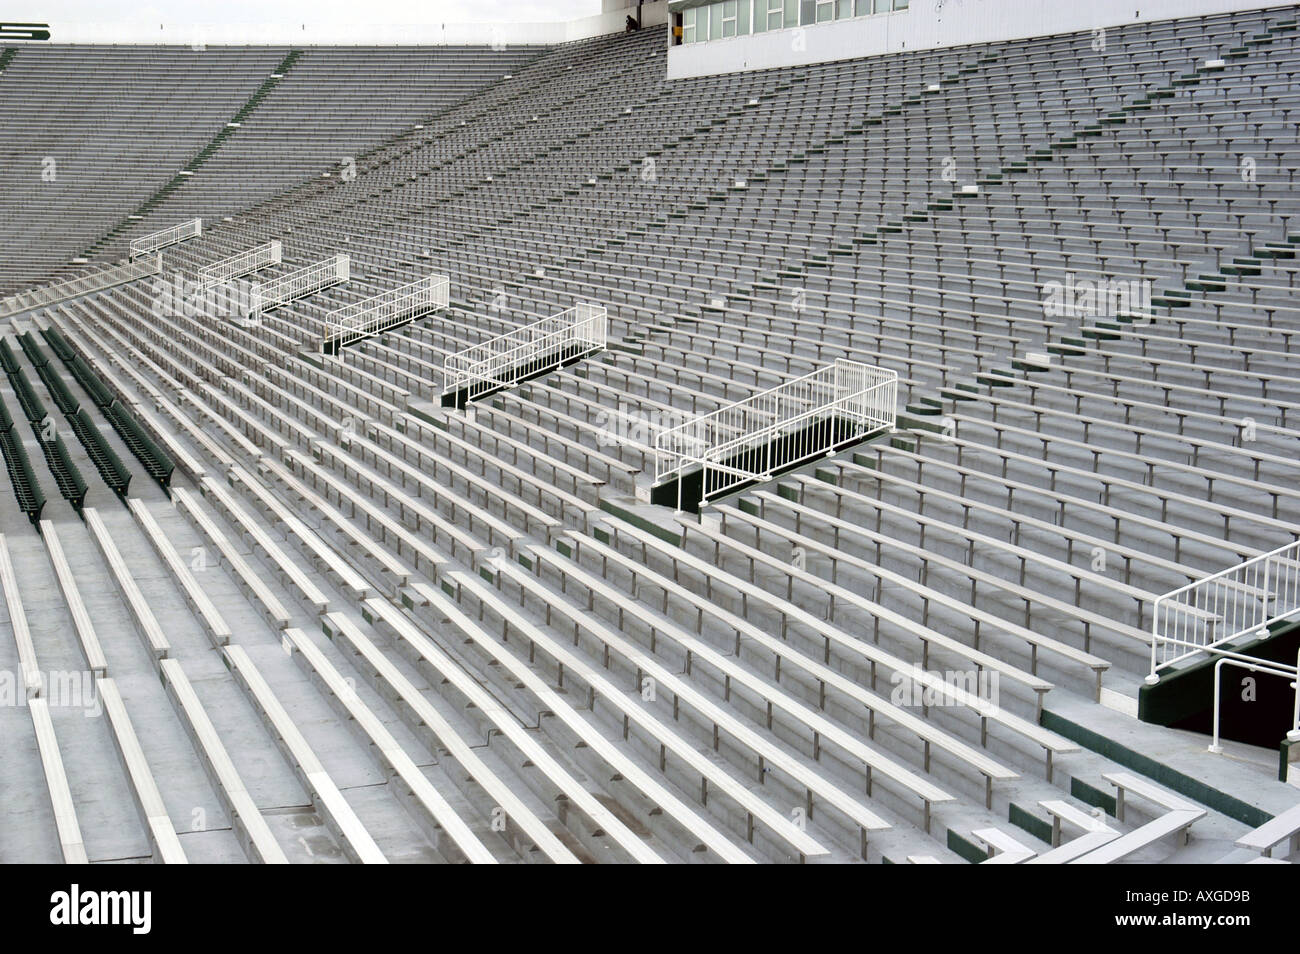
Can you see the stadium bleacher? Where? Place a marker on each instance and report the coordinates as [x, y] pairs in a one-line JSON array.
[[106, 164], [351, 621]]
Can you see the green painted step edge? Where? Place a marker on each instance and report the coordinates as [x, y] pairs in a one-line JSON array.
[[637, 521], [1066, 349], [924, 410], [1158, 772], [1024, 819], [1092, 795], [910, 423], [966, 848]]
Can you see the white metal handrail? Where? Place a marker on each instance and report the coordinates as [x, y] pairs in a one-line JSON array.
[[81, 285], [373, 314], [1256, 665], [861, 396], [240, 264], [304, 281], [534, 348], [1224, 606], [152, 242]]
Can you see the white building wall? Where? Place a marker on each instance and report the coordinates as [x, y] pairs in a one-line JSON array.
[[615, 21], [333, 31], [930, 24]]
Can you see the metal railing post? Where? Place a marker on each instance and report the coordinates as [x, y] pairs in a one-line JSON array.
[[1294, 734], [1218, 679], [1255, 665], [1264, 598], [1152, 677]]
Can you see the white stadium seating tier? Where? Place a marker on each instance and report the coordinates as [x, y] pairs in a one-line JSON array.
[[410, 575]]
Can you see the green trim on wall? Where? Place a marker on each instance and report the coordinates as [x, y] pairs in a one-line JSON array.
[[1031, 823], [1162, 774], [1091, 795], [640, 523], [966, 848]]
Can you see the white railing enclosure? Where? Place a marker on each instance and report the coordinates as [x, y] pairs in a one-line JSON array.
[[372, 315], [1225, 606], [81, 285], [1256, 666], [239, 264], [532, 349], [304, 281], [156, 240], [739, 443]]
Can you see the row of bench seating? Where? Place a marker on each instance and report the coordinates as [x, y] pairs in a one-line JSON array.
[[771, 665], [156, 463]]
